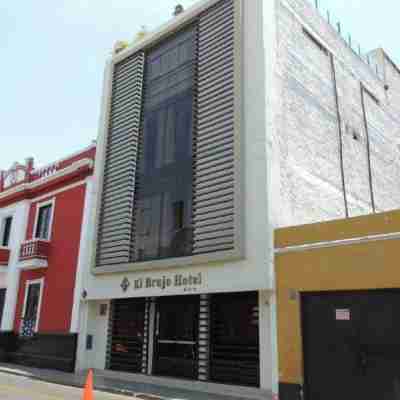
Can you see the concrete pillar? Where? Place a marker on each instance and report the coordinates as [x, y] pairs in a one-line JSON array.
[[18, 231], [84, 258]]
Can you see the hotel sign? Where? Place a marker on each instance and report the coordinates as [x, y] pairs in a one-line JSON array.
[[186, 282]]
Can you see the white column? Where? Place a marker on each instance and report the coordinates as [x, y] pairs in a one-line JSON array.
[[84, 258], [272, 93], [150, 351], [273, 336], [82, 361], [18, 232], [96, 325], [266, 356]]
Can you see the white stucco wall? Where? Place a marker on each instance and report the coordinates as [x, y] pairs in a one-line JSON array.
[[251, 273], [95, 325], [19, 212], [84, 253], [3, 277]]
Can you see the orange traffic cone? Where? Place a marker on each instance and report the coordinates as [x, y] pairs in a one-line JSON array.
[[88, 390]]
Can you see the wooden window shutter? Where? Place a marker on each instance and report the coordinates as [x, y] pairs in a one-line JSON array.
[[117, 195], [216, 210]]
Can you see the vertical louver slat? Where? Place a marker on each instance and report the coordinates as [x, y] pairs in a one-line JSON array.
[[127, 335], [234, 339], [215, 152], [204, 338], [109, 334], [115, 224], [146, 336]]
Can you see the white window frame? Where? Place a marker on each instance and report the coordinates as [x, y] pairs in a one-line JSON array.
[[2, 230], [52, 203], [27, 284]]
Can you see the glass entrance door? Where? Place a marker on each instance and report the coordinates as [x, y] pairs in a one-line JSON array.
[[176, 336]]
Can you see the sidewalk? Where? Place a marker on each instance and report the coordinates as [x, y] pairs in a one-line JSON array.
[[140, 391]]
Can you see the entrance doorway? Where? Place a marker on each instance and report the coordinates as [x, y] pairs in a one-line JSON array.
[[234, 344], [31, 310], [351, 345], [128, 335], [175, 350]]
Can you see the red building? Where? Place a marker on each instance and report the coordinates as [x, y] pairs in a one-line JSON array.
[[43, 219]]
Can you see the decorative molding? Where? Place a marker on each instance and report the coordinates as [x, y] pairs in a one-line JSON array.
[[58, 191], [87, 162], [34, 263], [27, 284], [52, 203], [337, 243]]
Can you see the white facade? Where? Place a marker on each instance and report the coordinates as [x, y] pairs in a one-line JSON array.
[[11, 273]]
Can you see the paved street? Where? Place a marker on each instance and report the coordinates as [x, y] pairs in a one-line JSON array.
[[21, 388]]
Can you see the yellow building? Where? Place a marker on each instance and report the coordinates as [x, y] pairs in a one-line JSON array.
[[339, 309]]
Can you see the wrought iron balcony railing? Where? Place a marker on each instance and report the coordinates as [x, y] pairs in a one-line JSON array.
[[34, 249], [4, 256]]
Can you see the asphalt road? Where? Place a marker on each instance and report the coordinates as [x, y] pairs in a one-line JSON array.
[[20, 388]]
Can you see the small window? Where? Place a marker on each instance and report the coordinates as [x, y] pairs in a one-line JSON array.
[[6, 232], [179, 214], [43, 222]]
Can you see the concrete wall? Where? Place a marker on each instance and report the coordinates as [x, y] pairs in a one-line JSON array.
[[392, 78], [391, 75], [314, 186]]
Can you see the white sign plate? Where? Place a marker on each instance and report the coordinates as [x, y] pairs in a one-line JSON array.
[[343, 314]]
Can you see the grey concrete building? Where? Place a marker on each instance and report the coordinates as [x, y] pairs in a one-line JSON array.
[[337, 123], [234, 118]]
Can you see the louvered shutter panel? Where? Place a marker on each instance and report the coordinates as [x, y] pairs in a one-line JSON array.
[[216, 149], [115, 223]]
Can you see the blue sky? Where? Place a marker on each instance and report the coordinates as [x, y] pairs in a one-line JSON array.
[[53, 54]]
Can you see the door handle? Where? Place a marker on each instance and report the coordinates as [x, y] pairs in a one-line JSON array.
[[158, 324], [363, 360]]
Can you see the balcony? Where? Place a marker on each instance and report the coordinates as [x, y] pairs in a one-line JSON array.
[[34, 254], [4, 256]]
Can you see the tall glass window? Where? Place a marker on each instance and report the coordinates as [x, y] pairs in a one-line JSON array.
[[163, 209], [43, 222], [6, 232]]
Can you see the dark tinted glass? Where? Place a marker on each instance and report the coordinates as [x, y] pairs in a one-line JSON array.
[[43, 224], [177, 319], [164, 179], [32, 301], [7, 232]]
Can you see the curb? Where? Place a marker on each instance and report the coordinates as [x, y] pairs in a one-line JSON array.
[[98, 388]]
